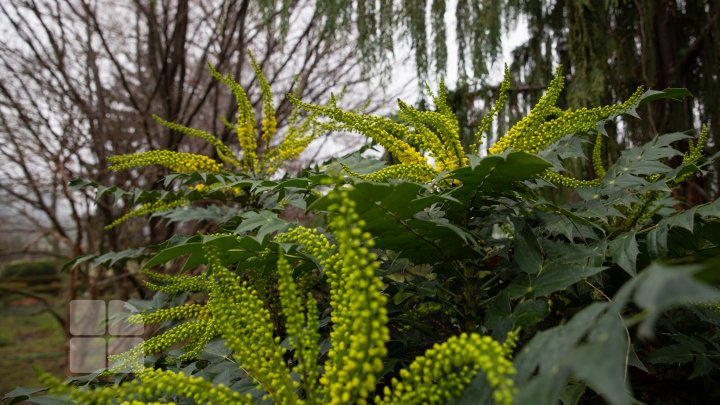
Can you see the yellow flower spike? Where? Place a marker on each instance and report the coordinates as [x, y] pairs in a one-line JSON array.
[[441, 99], [436, 132], [418, 173], [314, 243], [245, 119], [301, 328], [173, 285], [560, 180], [581, 120], [537, 116], [176, 161], [597, 156], [149, 385], [269, 122], [487, 120], [223, 150], [197, 343], [201, 187], [426, 139], [291, 147], [148, 208], [695, 152], [184, 332], [381, 130], [359, 314], [445, 123], [245, 324], [447, 368], [510, 342], [535, 133], [186, 311]]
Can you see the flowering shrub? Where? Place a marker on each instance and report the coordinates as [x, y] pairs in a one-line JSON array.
[[446, 282]]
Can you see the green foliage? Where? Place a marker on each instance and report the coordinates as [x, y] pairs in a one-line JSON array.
[[401, 291]]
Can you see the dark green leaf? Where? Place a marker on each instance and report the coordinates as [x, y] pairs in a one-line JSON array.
[[528, 254], [601, 362], [22, 393], [548, 348], [703, 367], [111, 258], [624, 251], [657, 241], [529, 313], [671, 93], [544, 389], [673, 354], [265, 222], [684, 219], [495, 173], [79, 184], [663, 287], [573, 393], [566, 264], [396, 216], [171, 253]]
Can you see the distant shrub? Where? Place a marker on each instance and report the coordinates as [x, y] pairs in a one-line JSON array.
[[29, 269]]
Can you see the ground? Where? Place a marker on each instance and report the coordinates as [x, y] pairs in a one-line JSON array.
[[29, 336]]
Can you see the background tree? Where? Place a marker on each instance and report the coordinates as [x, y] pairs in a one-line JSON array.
[[81, 80]]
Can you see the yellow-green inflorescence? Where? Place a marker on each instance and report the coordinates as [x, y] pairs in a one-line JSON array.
[[213, 187], [314, 243], [203, 329], [359, 315], [300, 133], [150, 385], [415, 172], [196, 333], [269, 121], [435, 132], [179, 162], [597, 156], [173, 285], [536, 132], [301, 324], [222, 150], [447, 368], [257, 158], [148, 208], [245, 324], [487, 120], [694, 153], [245, 127], [165, 314], [183, 332]]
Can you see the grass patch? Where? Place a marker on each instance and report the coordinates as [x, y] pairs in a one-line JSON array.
[[29, 336]]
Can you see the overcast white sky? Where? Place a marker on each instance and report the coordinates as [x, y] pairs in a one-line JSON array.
[[404, 73]]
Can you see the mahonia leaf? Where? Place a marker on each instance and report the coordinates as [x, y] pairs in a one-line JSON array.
[[265, 222], [624, 251]]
